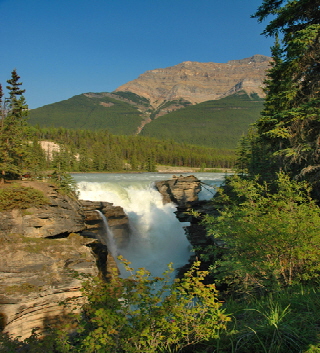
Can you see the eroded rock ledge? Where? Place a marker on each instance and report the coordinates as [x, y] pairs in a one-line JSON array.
[[183, 191], [40, 246]]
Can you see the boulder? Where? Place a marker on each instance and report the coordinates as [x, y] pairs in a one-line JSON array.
[[109, 218]]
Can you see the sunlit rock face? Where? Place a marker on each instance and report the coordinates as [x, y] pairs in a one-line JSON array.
[[62, 214], [117, 220], [180, 190], [35, 279], [39, 249], [198, 82]]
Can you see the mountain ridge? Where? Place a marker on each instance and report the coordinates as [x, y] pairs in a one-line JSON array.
[[198, 82]]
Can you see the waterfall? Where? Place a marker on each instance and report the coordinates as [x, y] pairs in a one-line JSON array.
[[157, 237], [112, 247]]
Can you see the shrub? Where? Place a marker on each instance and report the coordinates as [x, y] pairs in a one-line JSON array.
[[20, 197], [270, 240], [144, 314]]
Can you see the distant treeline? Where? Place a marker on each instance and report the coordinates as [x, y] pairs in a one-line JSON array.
[[85, 150]]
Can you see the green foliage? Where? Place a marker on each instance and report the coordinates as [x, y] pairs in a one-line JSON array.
[[12, 129], [268, 236], [89, 112], [84, 150], [65, 182], [34, 163], [217, 124], [21, 197], [132, 97], [288, 129], [167, 104], [270, 334], [145, 314], [55, 342], [281, 322]]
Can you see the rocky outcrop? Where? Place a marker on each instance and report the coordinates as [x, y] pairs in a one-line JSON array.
[[198, 82], [117, 220], [41, 246], [61, 215], [183, 191], [35, 279]]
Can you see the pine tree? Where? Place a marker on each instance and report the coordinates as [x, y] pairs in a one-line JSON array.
[[289, 127], [13, 142]]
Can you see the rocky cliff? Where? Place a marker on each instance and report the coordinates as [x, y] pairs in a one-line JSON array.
[[41, 246], [183, 191], [198, 82]]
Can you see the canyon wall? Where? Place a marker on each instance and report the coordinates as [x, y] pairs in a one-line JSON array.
[[41, 248]]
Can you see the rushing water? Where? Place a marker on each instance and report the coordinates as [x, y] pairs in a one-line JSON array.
[[157, 237]]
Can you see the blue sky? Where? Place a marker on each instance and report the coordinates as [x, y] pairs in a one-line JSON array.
[[61, 48]]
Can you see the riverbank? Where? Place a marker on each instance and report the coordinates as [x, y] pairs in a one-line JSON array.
[[174, 169]]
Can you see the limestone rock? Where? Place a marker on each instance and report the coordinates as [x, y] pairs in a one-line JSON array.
[[198, 82], [116, 219], [38, 249], [61, 215], [35, 278], [180, 190]]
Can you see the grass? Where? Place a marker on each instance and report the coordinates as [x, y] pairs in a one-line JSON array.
[[284, 322], [23, 288]]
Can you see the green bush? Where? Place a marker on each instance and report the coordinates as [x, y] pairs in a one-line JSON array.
[[21, 197], [137, 314], [268, 240], [145, 314]]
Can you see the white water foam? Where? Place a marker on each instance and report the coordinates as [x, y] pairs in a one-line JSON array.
[[157, 237]]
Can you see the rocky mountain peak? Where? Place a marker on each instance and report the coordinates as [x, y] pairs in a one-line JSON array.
[[252, 59], [198, 82]]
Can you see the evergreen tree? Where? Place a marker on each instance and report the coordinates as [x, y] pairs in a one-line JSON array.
[[13, 141], [288, 131], [35, 161]]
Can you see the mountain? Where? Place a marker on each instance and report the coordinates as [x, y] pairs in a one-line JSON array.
[[216, 123], [91, 111], [198, 82], [207, 104]]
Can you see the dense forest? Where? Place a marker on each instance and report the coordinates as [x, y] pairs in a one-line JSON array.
[[84, 150], [216, 123], [256, 286]]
